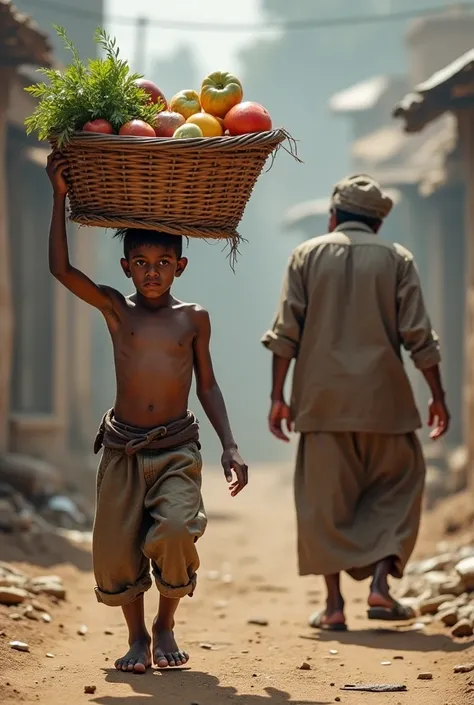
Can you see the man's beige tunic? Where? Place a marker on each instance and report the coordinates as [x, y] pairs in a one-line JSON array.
[[349, 303]]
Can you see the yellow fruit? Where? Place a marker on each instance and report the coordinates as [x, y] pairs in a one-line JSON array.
[[209, 125], [185, 102]]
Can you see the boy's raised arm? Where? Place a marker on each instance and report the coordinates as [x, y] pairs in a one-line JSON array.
[[73, 279], [213, 403]]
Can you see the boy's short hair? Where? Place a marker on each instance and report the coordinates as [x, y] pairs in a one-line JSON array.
[[135, 237]]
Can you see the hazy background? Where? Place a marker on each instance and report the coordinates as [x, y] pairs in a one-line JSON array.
[[293, 72]]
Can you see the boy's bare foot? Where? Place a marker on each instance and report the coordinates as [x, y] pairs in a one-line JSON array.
[[137, 659], [166, 652]]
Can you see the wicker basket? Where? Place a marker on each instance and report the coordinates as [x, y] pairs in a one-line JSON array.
[[191, 187]]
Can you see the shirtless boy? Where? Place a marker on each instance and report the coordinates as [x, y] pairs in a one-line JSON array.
[[149, 505]]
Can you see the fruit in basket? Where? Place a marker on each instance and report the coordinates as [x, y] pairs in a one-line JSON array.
[[156, 96], [137, 128], [247, 117], [102, 87], [99, 125], [185, 102], [210, 126], [220, 91], [188, 131], [167, 123]]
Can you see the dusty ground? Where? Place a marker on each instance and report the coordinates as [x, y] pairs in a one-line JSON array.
[[252, 540]]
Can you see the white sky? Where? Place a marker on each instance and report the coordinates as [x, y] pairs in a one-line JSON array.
[[214, 50]]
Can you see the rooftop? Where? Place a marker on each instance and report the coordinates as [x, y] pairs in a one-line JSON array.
[[451, 88], [21, 42], [396, 158], [366, 94]]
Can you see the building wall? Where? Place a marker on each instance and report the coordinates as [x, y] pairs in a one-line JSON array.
[[39, 385], [51, 414], [435, 43]]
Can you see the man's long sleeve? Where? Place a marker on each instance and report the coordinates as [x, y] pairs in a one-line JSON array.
[[283, 338], [414, 324]]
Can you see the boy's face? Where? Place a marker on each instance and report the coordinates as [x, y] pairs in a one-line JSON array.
[[153, 269]]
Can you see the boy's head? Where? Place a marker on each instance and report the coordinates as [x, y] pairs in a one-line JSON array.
[[152, 260]]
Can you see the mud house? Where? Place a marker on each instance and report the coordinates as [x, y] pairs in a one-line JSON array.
[[45, 336], [451, 90]]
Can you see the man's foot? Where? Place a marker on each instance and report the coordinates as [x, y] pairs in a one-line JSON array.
[[378, 599], [383, 607], [137, 659], [166, 652], [328, 621]]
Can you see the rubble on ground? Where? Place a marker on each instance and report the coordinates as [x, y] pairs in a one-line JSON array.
[[33, 498], [27, 597], [440, 589], [447, 472]]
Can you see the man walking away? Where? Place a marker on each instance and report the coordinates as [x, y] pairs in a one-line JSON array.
[[349, 302]]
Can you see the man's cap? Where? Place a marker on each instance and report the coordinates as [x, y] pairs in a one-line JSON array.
[[361, 195]]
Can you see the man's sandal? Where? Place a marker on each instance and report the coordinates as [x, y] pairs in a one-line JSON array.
[[396, 613], [317, 621]]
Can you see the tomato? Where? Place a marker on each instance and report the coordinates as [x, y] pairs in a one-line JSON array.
[[220, 91], [137, 128], [185, 102], [247, 117], [99, 125]]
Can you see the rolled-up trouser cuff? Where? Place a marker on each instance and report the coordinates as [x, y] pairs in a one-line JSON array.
[[174, 592], [119, 599]]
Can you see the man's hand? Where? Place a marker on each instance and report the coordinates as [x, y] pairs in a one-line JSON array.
[[232, 461], [438, 416], [280, 412], [56, 169]]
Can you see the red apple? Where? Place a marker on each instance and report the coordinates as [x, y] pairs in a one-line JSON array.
[[137, 128], [99, 125], [167, 123], [156, 96], [247, 117]]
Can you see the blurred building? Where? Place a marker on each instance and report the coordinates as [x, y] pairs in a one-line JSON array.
[[450, 90], [45, 334]]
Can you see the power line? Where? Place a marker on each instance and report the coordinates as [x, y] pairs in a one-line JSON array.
[[310, 23]]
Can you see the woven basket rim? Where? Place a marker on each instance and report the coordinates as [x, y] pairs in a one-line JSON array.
[[225, 142]]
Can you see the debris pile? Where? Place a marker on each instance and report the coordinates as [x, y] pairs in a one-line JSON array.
[[28, 597], [447, 472], [33, 498], [441, 589]]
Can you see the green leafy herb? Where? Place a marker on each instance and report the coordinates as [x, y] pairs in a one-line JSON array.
[[101, 88]]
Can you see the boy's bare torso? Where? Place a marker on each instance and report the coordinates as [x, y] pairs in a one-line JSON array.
[[154, 359]]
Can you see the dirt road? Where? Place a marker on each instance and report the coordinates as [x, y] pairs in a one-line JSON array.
[[248, 572]]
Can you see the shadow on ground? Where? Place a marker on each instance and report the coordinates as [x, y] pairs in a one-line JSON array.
[[181, 688], [392, 640]]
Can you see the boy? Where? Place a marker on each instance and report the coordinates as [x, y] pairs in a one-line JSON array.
[[149, 505]]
